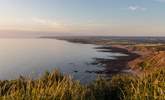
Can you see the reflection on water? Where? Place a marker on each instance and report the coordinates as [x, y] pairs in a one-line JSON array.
[[34, 56]]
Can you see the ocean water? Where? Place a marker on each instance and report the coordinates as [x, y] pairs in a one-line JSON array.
[[32, 57]]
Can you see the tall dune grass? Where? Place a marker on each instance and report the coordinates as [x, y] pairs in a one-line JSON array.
[[50, 86], [148, 87], [55, 86]]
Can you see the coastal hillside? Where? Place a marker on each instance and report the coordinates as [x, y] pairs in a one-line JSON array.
[[55, 86], [144, 82], [82, 49], [154, 60]]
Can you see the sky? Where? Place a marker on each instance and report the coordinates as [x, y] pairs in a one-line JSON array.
[[82, 17]]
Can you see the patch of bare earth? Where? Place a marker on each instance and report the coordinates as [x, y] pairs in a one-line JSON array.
[[148, 61]]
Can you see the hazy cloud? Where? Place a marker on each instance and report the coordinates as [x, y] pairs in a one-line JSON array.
[[136, 8], [45, 22]]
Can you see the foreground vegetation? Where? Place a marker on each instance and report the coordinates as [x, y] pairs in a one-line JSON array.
[[61, 87]]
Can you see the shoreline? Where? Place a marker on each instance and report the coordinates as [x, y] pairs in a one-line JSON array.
[[120, 64], [112, 66]]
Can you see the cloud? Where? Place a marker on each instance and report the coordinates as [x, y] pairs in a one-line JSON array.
[[45, 22], [136, 8], [40, 21]]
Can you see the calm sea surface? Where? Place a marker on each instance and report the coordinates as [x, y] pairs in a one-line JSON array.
[[32, 57]]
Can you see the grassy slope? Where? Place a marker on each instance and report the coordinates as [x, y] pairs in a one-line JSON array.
[[56, 86]]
